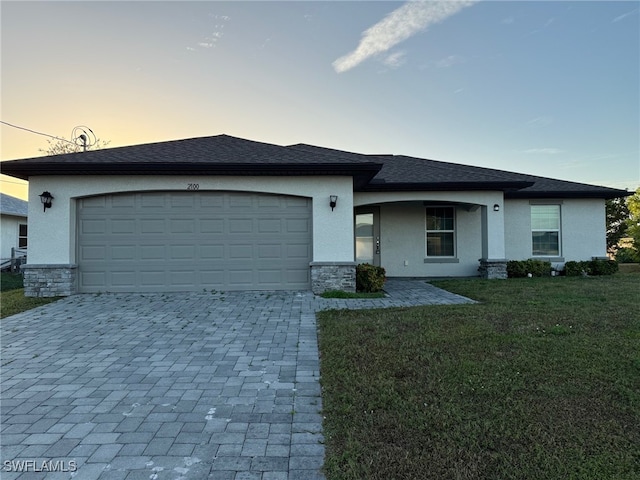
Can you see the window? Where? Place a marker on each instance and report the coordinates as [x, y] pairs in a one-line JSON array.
[[440, 232], [22, 236], [545, 230]]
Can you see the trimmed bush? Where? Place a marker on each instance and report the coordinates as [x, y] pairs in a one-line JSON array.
[[603, 267], [590, 267], [522, 268], [369, 278], [575, 269]]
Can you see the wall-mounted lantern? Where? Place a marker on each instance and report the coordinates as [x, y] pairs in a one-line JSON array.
[[333, 201], [496, 208], [46, 199]]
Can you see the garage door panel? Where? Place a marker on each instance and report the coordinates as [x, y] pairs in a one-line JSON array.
[[240, 225], [152, 200], [180, 226], [123, 252], [93, 279], [152, 278], [152, 252], [298, 225], [93, 227], [154, 226], [298, 251], [93, 252], [211, 252], [121, 226], [269, 251], [240, 201], [211, 225], [182, 252], [241, 252], [180, 241], [270, 226], [123, 278]]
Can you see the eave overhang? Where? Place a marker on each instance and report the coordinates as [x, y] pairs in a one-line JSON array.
[[604, 194], [507, 186], [362, 173]]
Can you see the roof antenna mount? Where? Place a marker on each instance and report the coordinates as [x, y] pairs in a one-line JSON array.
[[83, 137]]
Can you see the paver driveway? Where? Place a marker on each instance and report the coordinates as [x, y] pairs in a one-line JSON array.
[[170, 386]]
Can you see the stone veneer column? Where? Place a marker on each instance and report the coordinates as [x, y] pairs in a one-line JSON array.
[[327, 276], [493, 268], [49, 280]]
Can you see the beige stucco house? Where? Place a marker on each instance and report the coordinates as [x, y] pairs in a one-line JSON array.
[[224, 213]]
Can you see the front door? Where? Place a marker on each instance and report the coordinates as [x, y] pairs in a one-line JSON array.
[[367, 236]]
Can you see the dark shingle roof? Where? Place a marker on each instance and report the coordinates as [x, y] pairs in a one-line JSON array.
[[226, 155], [216, 155], [400, 172], [13, 206]]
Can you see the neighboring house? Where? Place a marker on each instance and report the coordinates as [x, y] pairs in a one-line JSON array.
[[224, 213], [13, 228]]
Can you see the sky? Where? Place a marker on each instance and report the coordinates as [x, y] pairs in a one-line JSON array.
[[540, 87]]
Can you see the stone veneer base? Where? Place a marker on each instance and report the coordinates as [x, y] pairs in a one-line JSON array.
[[49, 280], [326, 276], [493, 268]]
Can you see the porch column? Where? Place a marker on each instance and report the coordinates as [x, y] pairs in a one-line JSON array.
[[493, 263]]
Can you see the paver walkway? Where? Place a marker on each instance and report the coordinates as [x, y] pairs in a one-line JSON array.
[[170, 386]]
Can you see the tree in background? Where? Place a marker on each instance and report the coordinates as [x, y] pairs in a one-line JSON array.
[[617, 222], [60, 146], [623, 228], [633, 230]]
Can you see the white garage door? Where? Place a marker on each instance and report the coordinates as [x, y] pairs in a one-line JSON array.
[[190, 241]]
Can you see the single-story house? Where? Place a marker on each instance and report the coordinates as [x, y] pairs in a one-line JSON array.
[[13, 228], [225, 213]]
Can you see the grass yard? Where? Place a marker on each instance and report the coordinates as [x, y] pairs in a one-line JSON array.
[[540, 381], [12, 299]]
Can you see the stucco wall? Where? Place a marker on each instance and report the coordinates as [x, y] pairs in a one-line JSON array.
[[583, 228], [403, 235], [403, 243], [52, 234], [10, 228]]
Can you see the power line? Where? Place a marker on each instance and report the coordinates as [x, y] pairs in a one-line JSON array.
[[33, 131]]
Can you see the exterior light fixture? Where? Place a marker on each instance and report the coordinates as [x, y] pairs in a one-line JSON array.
[[496, 207], [46, 199], [333, 201]]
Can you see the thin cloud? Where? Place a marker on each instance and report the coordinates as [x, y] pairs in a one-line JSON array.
[[624, 15], [402, 23], [541, 121], [449, 61], [543, 151], [395, 60]]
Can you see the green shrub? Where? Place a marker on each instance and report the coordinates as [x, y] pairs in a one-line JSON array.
[[575, 269], [627, 255], [590, 267], [369, 278], [522, 268], [516, 269], [603, 267]]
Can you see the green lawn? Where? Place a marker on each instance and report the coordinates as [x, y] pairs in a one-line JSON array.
[[12, 299], [539, 381]]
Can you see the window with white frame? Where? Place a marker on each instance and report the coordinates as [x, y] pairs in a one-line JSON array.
[[440, 232], [545, 230]]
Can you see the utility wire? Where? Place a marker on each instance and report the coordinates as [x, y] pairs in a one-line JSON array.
[[38, 133]]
